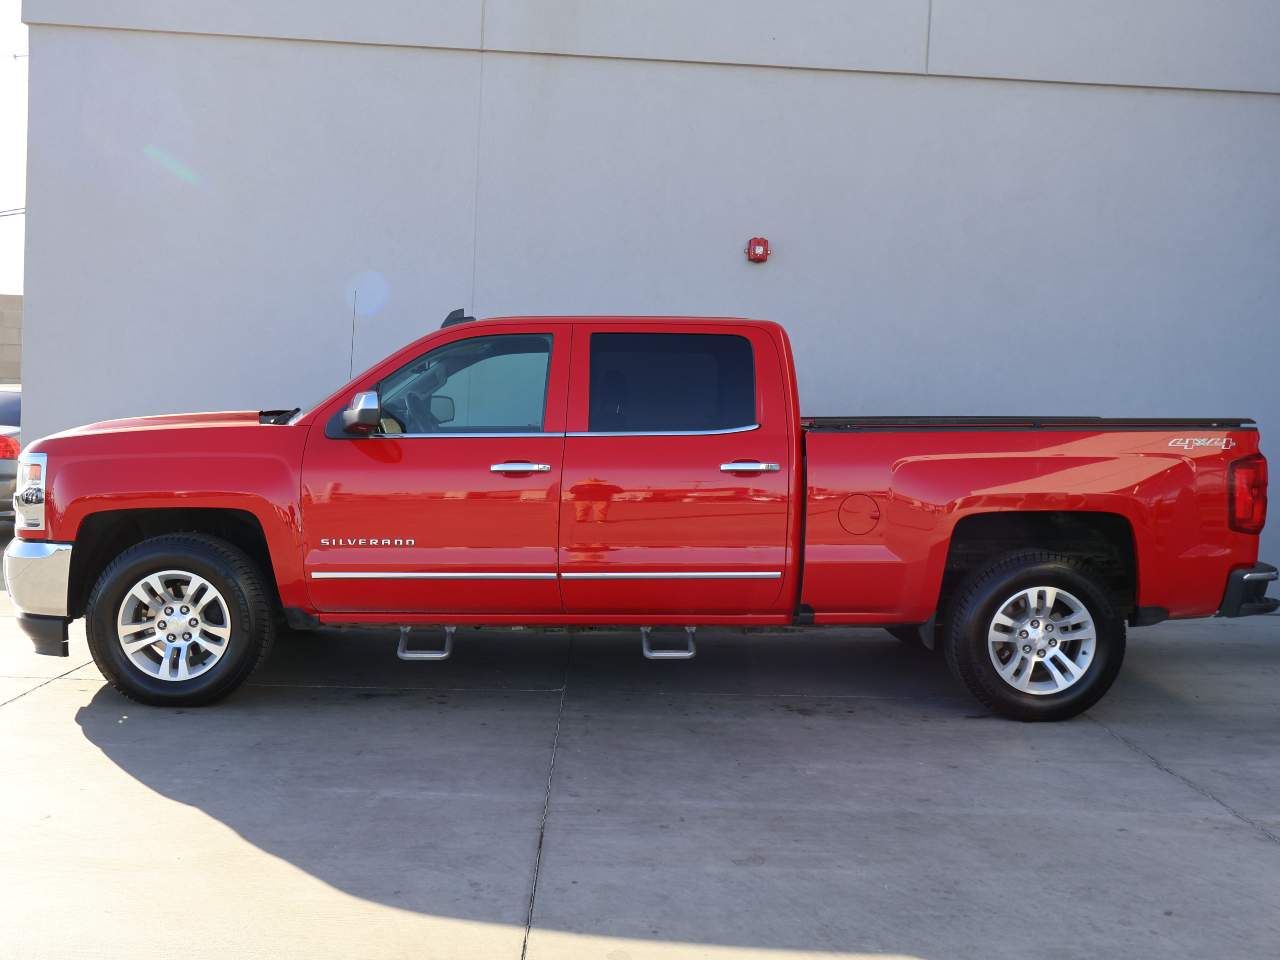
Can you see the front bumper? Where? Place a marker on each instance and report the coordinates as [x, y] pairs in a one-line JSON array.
[[1246, 593], [37, 574]]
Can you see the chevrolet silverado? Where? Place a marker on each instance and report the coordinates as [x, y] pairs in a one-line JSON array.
[[652, 472]]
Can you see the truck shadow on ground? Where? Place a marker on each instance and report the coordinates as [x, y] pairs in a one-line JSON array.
[[778, 791]]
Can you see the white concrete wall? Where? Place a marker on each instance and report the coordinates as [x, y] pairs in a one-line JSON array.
[[10, 338], [1201, 44], [953, 234], [201, 209]]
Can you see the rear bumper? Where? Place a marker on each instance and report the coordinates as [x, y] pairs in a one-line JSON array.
[[1246, 593], [37, 574]]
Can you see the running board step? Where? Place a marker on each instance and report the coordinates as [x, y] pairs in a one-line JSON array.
[[442, 653], [668, 653]]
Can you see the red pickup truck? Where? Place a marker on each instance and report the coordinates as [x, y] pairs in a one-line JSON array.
[[653, 472]]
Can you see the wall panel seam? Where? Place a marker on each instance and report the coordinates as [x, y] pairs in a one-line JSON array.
[[928, 37], [999, 78]]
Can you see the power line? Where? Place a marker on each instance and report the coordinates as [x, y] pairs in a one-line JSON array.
[[14, 212]]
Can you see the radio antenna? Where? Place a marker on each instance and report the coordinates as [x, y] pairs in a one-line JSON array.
[[351, 358]]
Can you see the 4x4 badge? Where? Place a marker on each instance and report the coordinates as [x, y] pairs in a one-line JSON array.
[[1194, 443]]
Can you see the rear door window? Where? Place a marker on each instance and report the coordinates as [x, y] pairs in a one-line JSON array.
[[671, 383]]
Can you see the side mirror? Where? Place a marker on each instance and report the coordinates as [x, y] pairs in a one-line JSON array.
[[364, 415], [442, 409]]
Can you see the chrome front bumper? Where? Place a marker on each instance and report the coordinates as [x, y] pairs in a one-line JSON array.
[[37, 574]]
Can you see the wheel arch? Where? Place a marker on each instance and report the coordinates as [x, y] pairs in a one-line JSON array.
[[1105, 541], [104, 535]]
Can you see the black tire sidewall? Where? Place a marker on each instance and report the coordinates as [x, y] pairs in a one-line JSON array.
[[174, 553], [973, 621]]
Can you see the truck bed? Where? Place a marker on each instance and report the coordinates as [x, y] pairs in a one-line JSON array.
[[849, 424], [889, 496]]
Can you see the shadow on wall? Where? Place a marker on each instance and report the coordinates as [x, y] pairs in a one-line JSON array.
[[671, 808]]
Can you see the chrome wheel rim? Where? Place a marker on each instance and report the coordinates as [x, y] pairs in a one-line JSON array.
[[173, 625], [1042, 640]]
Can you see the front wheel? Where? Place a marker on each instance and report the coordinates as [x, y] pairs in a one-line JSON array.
[[1035, 637], [179, 620]]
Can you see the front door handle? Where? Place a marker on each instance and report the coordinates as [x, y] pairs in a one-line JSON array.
[[520, 466], [749, 466]]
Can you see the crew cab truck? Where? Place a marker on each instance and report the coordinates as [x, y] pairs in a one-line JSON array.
[[653, 472]]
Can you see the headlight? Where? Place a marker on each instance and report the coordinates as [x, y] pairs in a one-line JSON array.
[[28, 494]]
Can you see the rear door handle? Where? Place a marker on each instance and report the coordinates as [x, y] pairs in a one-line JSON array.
[[749, 466], [520, 466]]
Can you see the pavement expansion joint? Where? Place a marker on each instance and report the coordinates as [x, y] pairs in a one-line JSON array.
[[546, 802], [1187, 781]]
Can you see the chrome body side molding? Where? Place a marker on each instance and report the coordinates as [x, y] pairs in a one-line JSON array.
[[423, 575], [634, 575], [662, 433], [679, 575]]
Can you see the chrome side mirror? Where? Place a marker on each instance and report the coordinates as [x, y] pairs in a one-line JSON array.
[[364, 415]]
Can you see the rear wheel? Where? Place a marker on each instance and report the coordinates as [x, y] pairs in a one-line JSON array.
[[179, 620], [1035, 637]]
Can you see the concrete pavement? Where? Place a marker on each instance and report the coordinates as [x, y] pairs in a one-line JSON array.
[[829, 795]]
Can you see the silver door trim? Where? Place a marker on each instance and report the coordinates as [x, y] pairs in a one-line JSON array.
[[574, 433], [423, 575], [661, 433], [679, 575], [634, 575], [461, 436]]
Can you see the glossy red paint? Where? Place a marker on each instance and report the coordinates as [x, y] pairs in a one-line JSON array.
[[925, 482], [439, 493], [661, 507], [221, 461], [855, 525]]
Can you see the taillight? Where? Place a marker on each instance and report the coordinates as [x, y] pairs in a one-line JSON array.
[[8, 448], [1247, 479]]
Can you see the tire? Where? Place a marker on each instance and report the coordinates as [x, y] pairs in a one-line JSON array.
[[227, 618], [1091, 638]]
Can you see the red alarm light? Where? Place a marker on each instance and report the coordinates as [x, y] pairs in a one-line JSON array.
[[758, 249]]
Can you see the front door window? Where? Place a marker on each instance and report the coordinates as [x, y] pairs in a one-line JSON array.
[[494, 384]]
